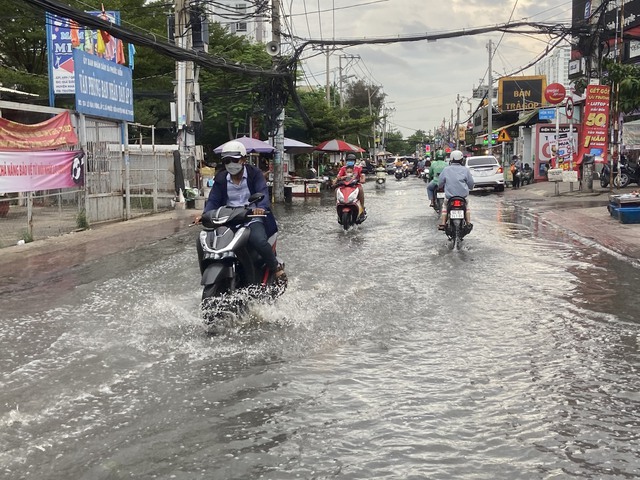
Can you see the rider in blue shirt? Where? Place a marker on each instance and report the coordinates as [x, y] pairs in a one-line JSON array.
[[457, 182], [233, 187]]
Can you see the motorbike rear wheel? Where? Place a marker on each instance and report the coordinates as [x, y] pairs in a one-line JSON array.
[[456, 234]]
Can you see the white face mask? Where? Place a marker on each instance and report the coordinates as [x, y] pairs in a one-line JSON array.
[[234, 168]]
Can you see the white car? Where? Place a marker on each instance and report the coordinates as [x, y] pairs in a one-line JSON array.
[[486, 172]]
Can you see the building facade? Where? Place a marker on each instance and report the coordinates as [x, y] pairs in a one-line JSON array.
[[555, 66], [243, 18]]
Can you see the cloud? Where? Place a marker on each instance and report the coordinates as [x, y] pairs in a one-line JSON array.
[[423, 79]]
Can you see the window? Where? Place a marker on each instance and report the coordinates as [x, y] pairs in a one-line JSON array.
[[242, 13]]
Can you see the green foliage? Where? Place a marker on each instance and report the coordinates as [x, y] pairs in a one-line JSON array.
[[230, 99], [81, 220], [395, 143], [627, 78], [26, 236]]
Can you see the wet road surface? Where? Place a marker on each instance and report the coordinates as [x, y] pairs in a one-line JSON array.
[[388, 357]]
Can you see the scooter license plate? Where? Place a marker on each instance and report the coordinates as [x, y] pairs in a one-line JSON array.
[[440, 194], [456, 214]]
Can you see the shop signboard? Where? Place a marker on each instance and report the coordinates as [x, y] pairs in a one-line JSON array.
[[104, 89]]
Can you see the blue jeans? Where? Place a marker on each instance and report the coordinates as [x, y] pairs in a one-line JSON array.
[[259, 242], [431, 190]]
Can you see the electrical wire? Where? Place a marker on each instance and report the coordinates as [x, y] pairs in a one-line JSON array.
[[167, 49]]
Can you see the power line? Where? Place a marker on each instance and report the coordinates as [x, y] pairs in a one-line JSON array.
[[167, 49]]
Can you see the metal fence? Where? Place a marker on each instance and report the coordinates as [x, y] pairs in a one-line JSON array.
[[147, 174]]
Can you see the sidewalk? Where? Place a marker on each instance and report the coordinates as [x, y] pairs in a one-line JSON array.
[[28, 262], [582, 213]]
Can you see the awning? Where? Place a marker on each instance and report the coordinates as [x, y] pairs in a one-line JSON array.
[[521, 121]]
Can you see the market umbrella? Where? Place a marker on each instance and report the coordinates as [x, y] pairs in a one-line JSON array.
[[338, 146], [253, 145], [295, 147]]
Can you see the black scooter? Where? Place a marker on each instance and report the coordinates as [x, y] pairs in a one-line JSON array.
[[456, 227], [232, 272]]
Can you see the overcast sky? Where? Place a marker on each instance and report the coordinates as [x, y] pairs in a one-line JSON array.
[[421, 79]]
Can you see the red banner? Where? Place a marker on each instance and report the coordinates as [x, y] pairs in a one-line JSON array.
[[594, 139], [50, 134]]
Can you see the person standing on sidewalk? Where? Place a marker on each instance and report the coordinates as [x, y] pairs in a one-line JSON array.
[[515, 171]]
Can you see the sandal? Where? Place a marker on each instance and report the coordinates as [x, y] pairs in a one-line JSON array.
[[280, 275], [441, 227]]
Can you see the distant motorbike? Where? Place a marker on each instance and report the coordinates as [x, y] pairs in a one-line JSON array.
[[232, 272], [350, 211], [381, 178], [456, 227], [526, 177], [425, 174], [399, 173]]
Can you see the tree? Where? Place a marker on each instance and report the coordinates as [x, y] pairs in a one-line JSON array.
[[24, 65], [395, 143], [230, 99]]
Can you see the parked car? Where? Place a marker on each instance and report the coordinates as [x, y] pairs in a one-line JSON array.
[[486, 172], [391, 165]]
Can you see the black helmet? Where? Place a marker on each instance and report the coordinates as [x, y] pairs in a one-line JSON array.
[[351, 157]]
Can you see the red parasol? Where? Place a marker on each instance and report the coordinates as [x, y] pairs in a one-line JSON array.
[[338, 146]]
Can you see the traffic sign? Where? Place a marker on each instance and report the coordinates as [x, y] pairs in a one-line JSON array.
[[568, 108], [504, 136]]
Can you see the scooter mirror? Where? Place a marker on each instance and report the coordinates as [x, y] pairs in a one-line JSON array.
[[255, 198]]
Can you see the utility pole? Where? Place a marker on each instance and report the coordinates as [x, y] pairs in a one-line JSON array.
[[340, 80], [458, 103], [490, 104], [327, 79], [185, 90], [278, 140]]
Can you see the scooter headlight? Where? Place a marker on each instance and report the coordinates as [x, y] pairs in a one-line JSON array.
[[353, 196], [339, 196]]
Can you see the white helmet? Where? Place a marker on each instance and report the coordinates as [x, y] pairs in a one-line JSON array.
[[456, 156], [233, 149]]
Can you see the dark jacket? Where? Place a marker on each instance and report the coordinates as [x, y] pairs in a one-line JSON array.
[[256, 183]]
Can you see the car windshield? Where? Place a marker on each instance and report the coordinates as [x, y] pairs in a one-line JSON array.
[[476, 161]]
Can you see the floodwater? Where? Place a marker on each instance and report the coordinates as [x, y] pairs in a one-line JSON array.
[[389, 357]]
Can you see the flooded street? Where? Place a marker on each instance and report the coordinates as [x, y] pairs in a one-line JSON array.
[[389, 357]]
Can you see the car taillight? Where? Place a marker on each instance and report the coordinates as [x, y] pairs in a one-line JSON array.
[[457, 203], [500, 170]]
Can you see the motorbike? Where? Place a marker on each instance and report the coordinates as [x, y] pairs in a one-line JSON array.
[[425, 174], [350, 211], [456, 227], [399, 173], [438, 200], [526, 177], [232, 273], [621, 176], [381, 177]]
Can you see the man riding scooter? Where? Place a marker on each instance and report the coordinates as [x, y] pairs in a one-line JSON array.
[[434, 172], [457, 182], [357, 172]]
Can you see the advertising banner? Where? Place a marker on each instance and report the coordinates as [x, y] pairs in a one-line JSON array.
[[53, 133], [104, 89], [521, 93], [34, 171], [595, 123], [61, 37], [546, 142]]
